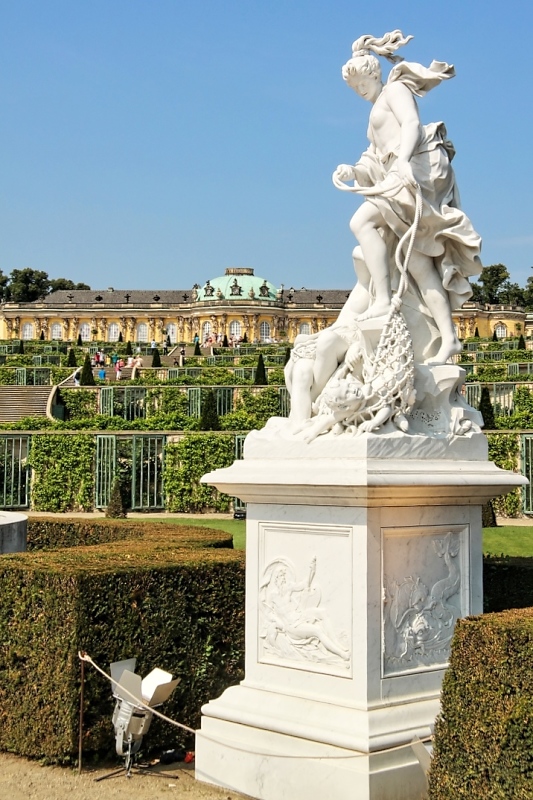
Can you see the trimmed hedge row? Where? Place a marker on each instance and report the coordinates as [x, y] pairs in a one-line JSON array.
[[46, 533], [484, 737], [172, 597], [507, 583]]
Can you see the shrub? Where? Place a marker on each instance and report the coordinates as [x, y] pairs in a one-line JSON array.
[[186, 462], [156, 358], [487, 411], [483, 739], [209, 419], [116, 508], [260, 372], [197, 350], [79, 403], [164, 598], [129, 351], [507, 582], [62, 472], [71, 359], [87, 377], [79, 343]]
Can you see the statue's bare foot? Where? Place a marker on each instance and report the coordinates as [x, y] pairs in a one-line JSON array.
[[449, 348], [375, 310]]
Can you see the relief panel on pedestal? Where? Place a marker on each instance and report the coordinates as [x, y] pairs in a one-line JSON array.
[[305, 597], [425, 591]]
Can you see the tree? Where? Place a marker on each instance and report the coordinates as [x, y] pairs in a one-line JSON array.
[[79, 342], [116, 508], [5, 292], [21, 348], [87, 377], [156, 358], [260, 372], [494, 336], [209, 420], [27, 285], [492, 280], [288, 355], [521, 342], [41, 336], [225, 342], [487, 410], [245, 338], [120, 337], [71, 359], [56, 284], [197, 351], [476, 333], [129, 351]]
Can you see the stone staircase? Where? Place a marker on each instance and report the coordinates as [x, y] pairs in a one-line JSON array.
[[17, 402]]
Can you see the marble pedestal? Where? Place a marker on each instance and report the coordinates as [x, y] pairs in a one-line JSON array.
[[13, 532], [357, 568]]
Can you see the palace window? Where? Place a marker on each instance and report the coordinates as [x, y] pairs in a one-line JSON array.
[[264, 331], [172, 333], [27, 330], [235, 328], [142, 332], [501, 330], [56, 331], [113, 332], [305, 328], [206, 330], [85, 332]]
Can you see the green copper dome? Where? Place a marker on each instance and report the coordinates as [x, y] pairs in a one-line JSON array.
[[238, 283]]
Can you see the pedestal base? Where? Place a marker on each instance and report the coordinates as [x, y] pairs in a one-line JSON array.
[[271, 766], [356, 571]]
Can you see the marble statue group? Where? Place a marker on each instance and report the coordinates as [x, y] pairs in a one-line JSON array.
[[372, 369]]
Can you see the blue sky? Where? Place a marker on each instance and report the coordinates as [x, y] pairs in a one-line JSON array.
[[153, 143]]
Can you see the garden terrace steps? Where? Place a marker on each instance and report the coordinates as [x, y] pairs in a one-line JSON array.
[[17, 402]]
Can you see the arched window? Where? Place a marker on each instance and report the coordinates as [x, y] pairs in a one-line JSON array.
[[305, 328], [56, 331], [85, 332], [235, 328], [142, 332], [264, 331], [206, 330], [27, 330], [172, 332], [113, 332], [501, 330]]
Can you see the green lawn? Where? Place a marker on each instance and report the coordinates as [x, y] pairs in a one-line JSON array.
[[237, 527], [510, 540]]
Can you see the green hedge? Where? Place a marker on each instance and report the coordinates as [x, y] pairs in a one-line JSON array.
[[187, 461], [507, 583], [46, 533], [484, 737], [62, 472], [174, 598]]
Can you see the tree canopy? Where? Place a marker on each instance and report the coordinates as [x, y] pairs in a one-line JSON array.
[[26, 285]]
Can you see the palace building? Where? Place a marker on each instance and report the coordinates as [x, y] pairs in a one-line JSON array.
[[234, 304]]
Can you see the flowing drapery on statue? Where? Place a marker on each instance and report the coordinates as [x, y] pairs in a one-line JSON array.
[[416, 251]]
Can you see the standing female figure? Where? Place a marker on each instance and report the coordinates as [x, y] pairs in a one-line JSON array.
[[404, 155]]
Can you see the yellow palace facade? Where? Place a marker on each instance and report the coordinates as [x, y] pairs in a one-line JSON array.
[[236, 304]]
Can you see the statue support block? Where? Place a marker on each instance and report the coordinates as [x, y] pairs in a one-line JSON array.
[[357, 569]]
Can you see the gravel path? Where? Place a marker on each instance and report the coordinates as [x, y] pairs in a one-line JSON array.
[[21, 779]]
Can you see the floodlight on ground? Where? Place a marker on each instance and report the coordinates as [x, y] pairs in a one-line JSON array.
[[131, 718]]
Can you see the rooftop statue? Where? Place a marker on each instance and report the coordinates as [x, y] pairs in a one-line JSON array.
[[416, 251]]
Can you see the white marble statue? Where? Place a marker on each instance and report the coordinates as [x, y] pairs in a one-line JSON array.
[[416, 251]]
